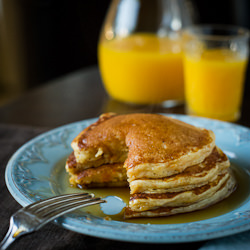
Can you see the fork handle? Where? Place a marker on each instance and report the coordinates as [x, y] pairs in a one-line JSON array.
[[7, 240], [12, 234]]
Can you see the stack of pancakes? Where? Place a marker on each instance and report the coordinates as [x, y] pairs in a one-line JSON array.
[[171, 167]]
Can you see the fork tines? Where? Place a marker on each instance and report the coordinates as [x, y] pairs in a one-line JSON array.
[[51, 208]]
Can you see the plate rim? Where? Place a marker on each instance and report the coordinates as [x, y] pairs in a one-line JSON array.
[[114, 234]]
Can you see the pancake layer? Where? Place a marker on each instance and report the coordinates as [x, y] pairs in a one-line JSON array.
[[149, 145], [191, 177]]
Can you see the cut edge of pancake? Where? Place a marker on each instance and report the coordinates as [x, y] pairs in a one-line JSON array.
[[109, 175]]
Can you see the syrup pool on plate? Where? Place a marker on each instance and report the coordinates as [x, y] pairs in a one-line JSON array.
[[60, 184]]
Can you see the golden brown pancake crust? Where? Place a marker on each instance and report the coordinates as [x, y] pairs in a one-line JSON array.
[[151, 138], [72, 164]]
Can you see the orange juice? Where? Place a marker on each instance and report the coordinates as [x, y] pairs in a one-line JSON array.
[[142, 69], [214, 84]]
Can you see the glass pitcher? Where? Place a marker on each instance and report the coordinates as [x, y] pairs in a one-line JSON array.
[[140, 51]]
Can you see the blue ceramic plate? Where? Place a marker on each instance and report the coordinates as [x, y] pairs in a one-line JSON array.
[[32, 174]]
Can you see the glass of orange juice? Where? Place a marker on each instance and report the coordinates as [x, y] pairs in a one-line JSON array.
[[215, 61], [140, 53]]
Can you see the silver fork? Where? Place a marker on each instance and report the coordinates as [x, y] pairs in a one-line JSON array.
[[32, 217]]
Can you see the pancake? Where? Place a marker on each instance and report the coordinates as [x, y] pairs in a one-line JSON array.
[[170, 166], [149, 145], [109, 175]]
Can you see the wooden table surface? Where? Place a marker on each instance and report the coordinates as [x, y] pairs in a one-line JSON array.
[[71, 98], [78, 96]]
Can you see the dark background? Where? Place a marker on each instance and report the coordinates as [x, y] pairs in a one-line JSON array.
[[65, 32], [56, 37]]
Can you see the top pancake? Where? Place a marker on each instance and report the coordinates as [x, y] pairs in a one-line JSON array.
[[150, 145]]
